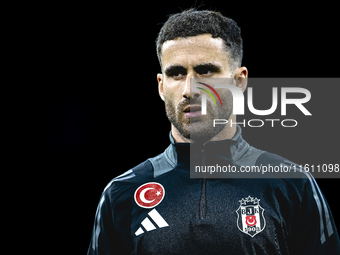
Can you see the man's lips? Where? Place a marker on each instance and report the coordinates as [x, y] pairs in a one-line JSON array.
[[192, 111]]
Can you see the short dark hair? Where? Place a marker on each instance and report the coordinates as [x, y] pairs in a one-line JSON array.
[[193, 22]]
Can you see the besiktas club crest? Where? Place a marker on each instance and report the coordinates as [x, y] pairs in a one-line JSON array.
[[250, 218]]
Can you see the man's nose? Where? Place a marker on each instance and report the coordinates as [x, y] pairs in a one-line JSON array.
[[190, 91]]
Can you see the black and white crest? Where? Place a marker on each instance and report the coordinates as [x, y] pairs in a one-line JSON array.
[[250, 218]]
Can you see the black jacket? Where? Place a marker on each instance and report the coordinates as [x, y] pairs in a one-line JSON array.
[[156, 208]]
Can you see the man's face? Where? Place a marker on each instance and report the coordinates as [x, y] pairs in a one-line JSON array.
[[195, 57]]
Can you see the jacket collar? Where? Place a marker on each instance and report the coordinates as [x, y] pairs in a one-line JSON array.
[[212, 153]]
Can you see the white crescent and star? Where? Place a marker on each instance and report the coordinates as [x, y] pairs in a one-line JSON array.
[[251, 222], [142, 196], [151, 200]]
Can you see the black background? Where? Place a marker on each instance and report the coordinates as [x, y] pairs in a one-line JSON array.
[[94, 110]]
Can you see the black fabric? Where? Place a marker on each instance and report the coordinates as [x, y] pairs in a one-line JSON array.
[[203, 214]]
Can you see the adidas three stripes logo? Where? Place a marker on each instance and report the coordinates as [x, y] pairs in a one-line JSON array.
[[148, 225]]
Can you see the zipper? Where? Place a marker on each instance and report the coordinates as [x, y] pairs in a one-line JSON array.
[[203, 200]]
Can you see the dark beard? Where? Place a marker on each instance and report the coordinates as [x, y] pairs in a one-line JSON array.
[[171, 111], [200, 130]]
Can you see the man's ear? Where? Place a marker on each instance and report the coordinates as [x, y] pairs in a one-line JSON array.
[[241, 77], [160, 85]]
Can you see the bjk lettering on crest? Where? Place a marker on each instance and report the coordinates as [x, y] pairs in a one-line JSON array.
[[250, 217]]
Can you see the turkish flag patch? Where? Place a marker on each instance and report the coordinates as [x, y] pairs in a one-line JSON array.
[[149, 194]]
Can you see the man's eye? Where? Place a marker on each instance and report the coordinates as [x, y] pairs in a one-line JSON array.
[[206, 72], [176, 72], [178, 76], [207, 69]]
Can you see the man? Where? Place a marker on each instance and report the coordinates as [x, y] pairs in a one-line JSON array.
[[156, 208]]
